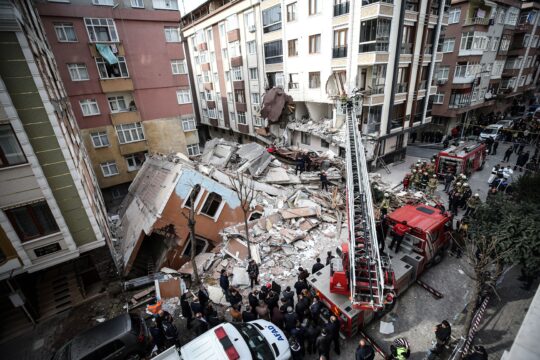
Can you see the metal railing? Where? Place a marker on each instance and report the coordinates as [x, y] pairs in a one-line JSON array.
[[476, 21], [339, 52], [341, 9]]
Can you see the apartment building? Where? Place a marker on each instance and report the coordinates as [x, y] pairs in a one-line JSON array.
[[490, 60], [123, 65], [317, 51], [54, 234]]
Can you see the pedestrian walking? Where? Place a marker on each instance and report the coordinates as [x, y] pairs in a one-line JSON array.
[[324, 180], [494, 148], [364, 351], [253, 272], [399, 230], [507, 154]]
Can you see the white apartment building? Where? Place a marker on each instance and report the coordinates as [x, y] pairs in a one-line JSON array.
[[317, 51]]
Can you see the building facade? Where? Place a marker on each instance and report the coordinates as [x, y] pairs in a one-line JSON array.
[[54, 234], [124, 69], [316, 51], [490, 60]]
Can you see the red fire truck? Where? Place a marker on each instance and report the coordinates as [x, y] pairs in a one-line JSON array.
[[422, 246], [462, 159]]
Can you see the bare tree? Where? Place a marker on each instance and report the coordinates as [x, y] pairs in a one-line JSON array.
[[191, 224], [245, 191]]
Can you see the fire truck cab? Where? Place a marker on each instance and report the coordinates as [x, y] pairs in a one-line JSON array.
[[463, 159], [423, 245]]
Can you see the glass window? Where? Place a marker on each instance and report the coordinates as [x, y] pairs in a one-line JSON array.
[[255, 98], [193, 150], [448, 45], [89, 107], [314, 80], [117, 104], [178, 67], [250, 20], [137, 4], [32, 221], [273, 52], [172, 34], [100, 139], [189, 124], [237, 73], [135, 161], [232, 116], [111, 71], [294, 81], [78, 72], [183, 96], [241, 118], [101, 30], [109, 168], [305, 138], [194, 191], [224, 54], [454, 15], [165, 4], [10, 150], [65, 32], [253, 74], [271, 19], [232, 22], [240, 96], [291, 12], [315, 44], [374, 35], [293, 47], [252, 47], [314, 7], [128, 133], [211, 205]]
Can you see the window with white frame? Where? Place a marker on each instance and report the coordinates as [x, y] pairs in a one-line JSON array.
[[255, 98], [225, 54], [250, 20], [258, 121], [202, 57], [438, 98], [216, 78], [235, 49], [137, 4], [212, 57], [78, 72], [442, 73], [453, 15], [165, 4], [211, 205], [494, 43], [209, 34], [241, 118], [65, 32], [253, 74], [448, 45], [227, 76], [528, 62], [512, 16], [526, 40], [497, 68], [101, 30], [89, 107], [212, 113], [172, 34], [237, 73], [521, 80], [178, 67], [271, 19], [103, 2], [134, 161], [128, 133], [314, 7], [501, 16], [252, 47], [232, 22], [220, 114], [467, 40], [222, 31], [505, 43], [534, 42], [199, 79], [183, 96], [232, 116], [109, 168], [193, 150], [208, 95], [206, 76], [117, 104], [111, 71], [100, 139]]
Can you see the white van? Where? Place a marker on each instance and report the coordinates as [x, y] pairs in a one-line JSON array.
[[492, 131], [256, 340]]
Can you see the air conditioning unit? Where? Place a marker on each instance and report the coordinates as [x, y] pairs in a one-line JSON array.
[[252, 28]]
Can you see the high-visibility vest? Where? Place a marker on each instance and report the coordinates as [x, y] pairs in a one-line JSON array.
[[401, 353]]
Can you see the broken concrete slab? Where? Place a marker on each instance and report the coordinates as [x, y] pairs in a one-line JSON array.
[[278, 175], [216, 295], [204, 261], [240, 277], [308, 224], [237, 249], [298, 212]]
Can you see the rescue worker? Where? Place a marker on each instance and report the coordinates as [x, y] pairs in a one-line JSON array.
[[472, 204], [300, 164], [406, 182], [415, 179], [465, 196], [399, 230], [400, 349], [253, 272], [364, 351], [385, 205], [448, 180], [424, 181], [432, 184], [324, 180]]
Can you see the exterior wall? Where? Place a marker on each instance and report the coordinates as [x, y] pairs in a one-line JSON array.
[[151, 83]]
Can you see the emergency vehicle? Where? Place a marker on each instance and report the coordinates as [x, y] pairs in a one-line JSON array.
[[462, 159], [363, 281]]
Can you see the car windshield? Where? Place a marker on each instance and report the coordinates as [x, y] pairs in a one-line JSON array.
[[490, 131], [258, 346]]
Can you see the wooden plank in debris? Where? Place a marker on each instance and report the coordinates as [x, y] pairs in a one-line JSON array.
[[143, 293], [308, 224], [298, 212]]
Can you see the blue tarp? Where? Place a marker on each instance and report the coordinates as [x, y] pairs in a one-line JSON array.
[[106, 52]]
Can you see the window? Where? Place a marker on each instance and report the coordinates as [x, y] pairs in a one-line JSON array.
[[128, 133], [325, 144], [206, 76], [305, 138], [273, 52], [232, 22], [314, 80], [253, 74], [78, 72], [109, 168], [236, 49], [501, 17], [89, 107], [240, 96], [101, 30], [315, 44], [103, 2], [526, 40], [189, 124], [255, 98], [100, 139], [211, 205], [443, 72], [222, 31], [314, 7], [448, 45], [467, 40], [10, 150], [340, 43], [178, 67], [65, 32], [212, 113], [232, 116], [137, 4], [208, 95], [183, 96], [229, 97], [512, 16], [32, 221], [241, 118], [111, 71], [294, 81], [220, 114], [227, 75], [165, 4], [374, 35], [237, 73], [438, 98], [291, 12], [454, 15], [494, 43], [135, 161], [172, 34], [193, 150], [117, 104], [224, 54], [293, 47], [257, 121], [271, 19], [193, 194], [250, 21], [252, 47]]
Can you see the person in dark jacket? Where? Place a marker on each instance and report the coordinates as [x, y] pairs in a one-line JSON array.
[[290, 319], [158, 338], [333, 327], [323, 344], [315, 309], [253, 299], [301, 308], [494, 148], [329, 257], [442, 337], [277, 317], [324, 180], [297, 350], [288, 294], [312, 332], [507, 154], [364, 351], [196, 306], [201, 324], [224, 282], [317, 266], [272, 300], [203, 296], [479, 353], [300, 164], [235, 297], [186, 310], [253, 272], [521, 161], [299, 286], [248, 315], [302, 274]]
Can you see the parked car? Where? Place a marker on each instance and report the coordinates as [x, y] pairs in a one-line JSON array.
[[506, 124], [124, 337], [491, 131]]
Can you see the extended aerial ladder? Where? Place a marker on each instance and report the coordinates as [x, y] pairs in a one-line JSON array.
[[371, 279]]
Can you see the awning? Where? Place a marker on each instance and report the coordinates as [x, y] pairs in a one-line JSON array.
[[106, 52]]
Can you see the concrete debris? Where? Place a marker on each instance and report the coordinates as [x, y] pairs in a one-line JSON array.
[[216, 295], [299, 212], [240, 276], [204, 262], [218, 152], [386, 327], [237, 249]]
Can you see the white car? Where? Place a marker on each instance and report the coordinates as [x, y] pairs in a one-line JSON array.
[[491, 131], [506, 124]]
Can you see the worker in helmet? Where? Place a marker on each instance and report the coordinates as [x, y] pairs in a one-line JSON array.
[[385, 205], [432, 184], [472, 204], [466, 194], [424, 181], [400, 349], [406, 182], [415, 179]]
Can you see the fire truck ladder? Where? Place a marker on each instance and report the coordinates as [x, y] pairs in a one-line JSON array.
[[371, 276]]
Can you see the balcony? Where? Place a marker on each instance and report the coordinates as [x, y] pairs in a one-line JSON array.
[[236, 61], [134, 147], [116, 85], [478, 21], [341, 9], [462, 75], [376, 8], [401, 88], [238, 85], [406, 49], [240, 107], [125, 117], [339, 52], [233, 35]]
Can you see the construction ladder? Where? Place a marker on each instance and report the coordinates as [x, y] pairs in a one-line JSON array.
[[371, 275]]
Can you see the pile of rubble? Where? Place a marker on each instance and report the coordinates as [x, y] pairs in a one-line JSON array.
[[326, 129]]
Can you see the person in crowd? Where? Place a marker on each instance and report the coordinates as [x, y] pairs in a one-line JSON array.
[[288, 295], [302, 274], [253, 272], [507, 154], [253, 299], [201, 325], [432, 184], [296, 349], [399, 230], [186, 310], [478, 353], [324, 180], [262, 311], [317, 266], [332, 328], [234, 297], [312, 332], [203, 296], [448, 180], [277, 317], [300, 164], [290, 319], [329, 257], [472, 204], [224, 281], [385, 205], [442, 331], [364, 351], [299, 286], [248, 315], [521, 161], [494, 147]]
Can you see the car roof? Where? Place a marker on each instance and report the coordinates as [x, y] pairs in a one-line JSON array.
[[88, 341], [423, 217], [494, 126]]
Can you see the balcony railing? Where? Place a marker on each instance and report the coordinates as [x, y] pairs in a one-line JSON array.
[[401, 88], [411, 5], [339, 52], [341, 9], [293, 85], [367, 2], [478, 21], [406, 49], [379, 45]]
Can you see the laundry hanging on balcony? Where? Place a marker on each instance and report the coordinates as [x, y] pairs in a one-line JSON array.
[[107, 53]]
